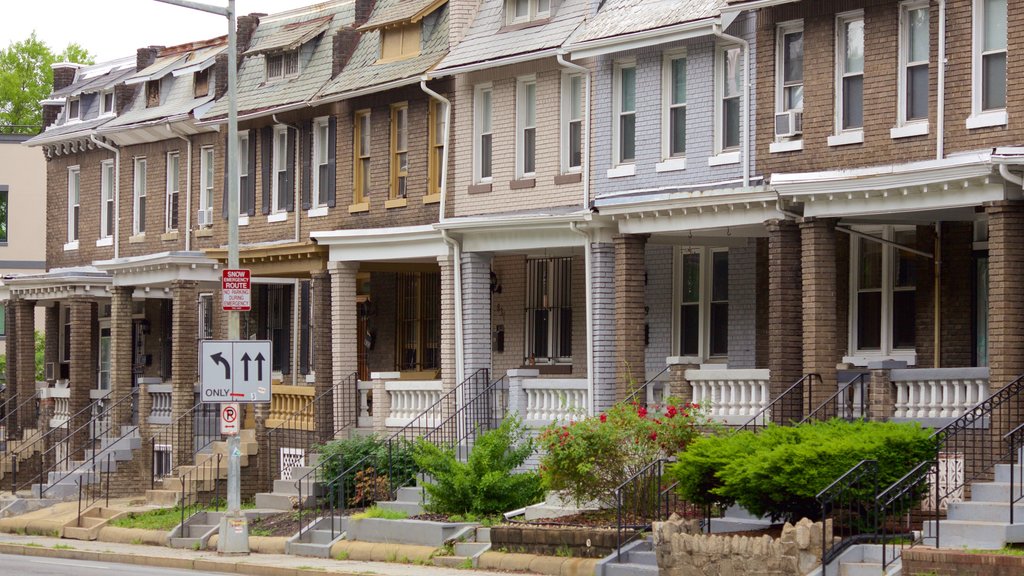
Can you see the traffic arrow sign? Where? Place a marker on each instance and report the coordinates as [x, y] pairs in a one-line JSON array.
[[235, 371]]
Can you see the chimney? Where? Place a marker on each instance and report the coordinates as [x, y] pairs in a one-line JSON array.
[[123, 96], [345, 42], [220, 76], [363, 10], [244, 29], [144, 57], [63, 75]]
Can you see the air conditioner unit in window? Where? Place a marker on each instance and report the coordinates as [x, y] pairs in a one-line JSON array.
[[789, 123], [50, 373], [204, 217]]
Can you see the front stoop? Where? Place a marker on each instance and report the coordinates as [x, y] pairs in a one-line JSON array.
[[316, 542], [92, 521], [63, 484], [637, 559], [469, 550], [198, 528], [169, 493], [983, 522], [409, 500], [285, 495]]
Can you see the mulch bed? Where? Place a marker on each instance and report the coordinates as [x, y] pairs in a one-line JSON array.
[[283, 524]]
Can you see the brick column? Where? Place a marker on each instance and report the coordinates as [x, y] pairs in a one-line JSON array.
[[184, 363], [924, 298], [476, 312], [323, 358], [785, 319], [344, 332], [121, 352], [24, 353], [1005, 305], [11, 376], [51, 351], [629, 312], [881, 398], [83, 368], [818, 274], [957, 280], [679, 385], [603, 275], [448, 373]]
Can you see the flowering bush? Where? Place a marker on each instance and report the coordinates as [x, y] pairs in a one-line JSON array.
[[588, 459]]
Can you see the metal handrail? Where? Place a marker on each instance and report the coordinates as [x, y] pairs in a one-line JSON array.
[[762, 415], [816, 414], [8, 412], [177, 423], [196, 476], [1015, 439], [831, 547], [643, 389], [903, 495]]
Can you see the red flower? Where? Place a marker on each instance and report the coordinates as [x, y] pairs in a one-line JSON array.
[[671, 412], [641, 412], [604, 418], [653, 436]]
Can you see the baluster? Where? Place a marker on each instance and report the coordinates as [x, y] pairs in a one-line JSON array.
[[933, 404], [922, 399], [732, 397], [945, 392], [959, 391], [902, 400], [745, 399]]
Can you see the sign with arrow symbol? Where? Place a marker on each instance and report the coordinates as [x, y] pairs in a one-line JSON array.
[[235, 371]]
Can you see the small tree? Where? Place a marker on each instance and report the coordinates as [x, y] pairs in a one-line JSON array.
[[26, 77]]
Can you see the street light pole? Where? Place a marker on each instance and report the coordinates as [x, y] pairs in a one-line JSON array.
[[234, 530]]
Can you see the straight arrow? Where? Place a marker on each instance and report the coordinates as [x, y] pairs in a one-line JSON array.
[[259, 366], [218, 358], [245, 366]]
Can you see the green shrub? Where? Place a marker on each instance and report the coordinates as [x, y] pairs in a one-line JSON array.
[[486, 483], [780, 471], [372, 451], [588, 459]]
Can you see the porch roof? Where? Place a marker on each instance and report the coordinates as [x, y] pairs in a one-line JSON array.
[[283, 259], [59, 283], [398, 243], [160, 269]]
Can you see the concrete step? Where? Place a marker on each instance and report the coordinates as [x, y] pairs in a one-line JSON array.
[[644, 557], [292, 487], [985, 511], [975, 535], [630, 570], [163, 498], [409, 508], [994, 492], [860, 569], [317, 541], [410, 494]]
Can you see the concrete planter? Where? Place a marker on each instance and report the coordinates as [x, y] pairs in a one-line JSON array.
[[422, 532]]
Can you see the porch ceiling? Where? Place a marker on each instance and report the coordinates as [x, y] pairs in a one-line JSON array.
[[291, 260]]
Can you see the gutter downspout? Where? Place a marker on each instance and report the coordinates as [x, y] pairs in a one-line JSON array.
[[297, 200], [117, 191], [453, 244], [717, 31], [588, 255], [940, 121], [560, 57], [1004, 171], [188, 189]]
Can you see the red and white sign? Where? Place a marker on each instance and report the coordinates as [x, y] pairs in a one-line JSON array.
[[229, 416], [236, 290]]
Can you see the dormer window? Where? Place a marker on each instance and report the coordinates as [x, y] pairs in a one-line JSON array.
[[74, 109], [282, 65], [201, 83], [152, 93], [400, 42], [523, 11], [107, 102]]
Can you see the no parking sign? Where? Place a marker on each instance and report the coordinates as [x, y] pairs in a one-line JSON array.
[[229, 416]]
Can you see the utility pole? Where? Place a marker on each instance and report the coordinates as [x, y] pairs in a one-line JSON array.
[[234, 529]]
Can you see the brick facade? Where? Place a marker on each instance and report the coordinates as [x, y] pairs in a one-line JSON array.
[[1006, 299], [83, 370], [818, 289], [344, 331], [785, 345], [184, 363], [121, 360], [24, 356], [629, 313]]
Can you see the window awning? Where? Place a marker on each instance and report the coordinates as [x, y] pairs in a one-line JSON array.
[[291, 36]]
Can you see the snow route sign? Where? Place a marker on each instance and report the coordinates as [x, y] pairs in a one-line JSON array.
[[236, 290]]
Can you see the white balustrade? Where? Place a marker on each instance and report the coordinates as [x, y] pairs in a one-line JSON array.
[[733, 396], [938, 392], [61, 405], [365, 417], [410, 398], [554, 400], [160, 410]]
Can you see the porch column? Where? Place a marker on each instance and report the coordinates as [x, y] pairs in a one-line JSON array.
[[121, 352], [818, 273], [448, 375], [924, 298], [323, 358], [344, 333], [629, 312], [184, 363], [785, 343], [476, 313], [51, 351], [603, 276], [1006, 291], [956, 317], [82, 369], [24, 381]]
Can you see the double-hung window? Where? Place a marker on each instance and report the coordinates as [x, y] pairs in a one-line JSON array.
[[624, 101], [74, 108], [435, 135], [850, 71], [883, 281], [107, 199], [482, 137], [521, 11], [74, 208], [107, 103], [572, 122], [279, 191], [399, 151], [549, 310], [915, 46], [243, 175], [702, 299], [674, 95], [173, 187], [321, 157], [206, 183], [139, 197], [526, 126], [206, 316], [729, 69], [990, 43], [361, 160]]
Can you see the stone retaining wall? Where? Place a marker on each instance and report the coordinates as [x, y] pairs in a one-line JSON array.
[[681, 553], [554, 540]]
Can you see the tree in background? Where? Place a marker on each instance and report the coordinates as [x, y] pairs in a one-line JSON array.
[[26, 78]]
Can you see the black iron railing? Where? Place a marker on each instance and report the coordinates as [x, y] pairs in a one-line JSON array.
[[786, 408], [317, 497], [203, 486], [902, 508], [91, 492], [10, 427], [849, 502], [205, 430], [1015, 442], [848, 403], [649, 390]]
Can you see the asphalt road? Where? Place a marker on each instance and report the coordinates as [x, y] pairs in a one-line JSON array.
[[30, 566]]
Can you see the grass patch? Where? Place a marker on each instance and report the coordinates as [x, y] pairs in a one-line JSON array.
[[467, 564], [343, 555], [1007, 550], [63, 547], [159, 519], [34, 545], [378, 512], [261, 532]]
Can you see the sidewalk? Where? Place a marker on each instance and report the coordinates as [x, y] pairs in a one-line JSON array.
[[255, 564]]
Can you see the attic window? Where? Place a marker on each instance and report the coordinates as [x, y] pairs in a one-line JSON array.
[[152, 93], [522, 11], [201, 83], [107, 102], [74, 109], [282, 65], [400, 42]]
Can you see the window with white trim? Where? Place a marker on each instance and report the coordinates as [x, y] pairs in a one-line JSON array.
[[243, 172], [205, 316], [279, 196], [549, 310], [321, 140], [526, 126], [399, 151], [883, 281], [107, 199], [482, 133], [728, 89], [789, 67], [522, 11], [282, 65], [107, 102], [990, 44], [624, 105], [915, 48], [673, 137], [702, 301], [850, 71], [74, 108], [206, 181], [139, 197], [74, 208], [173, 187], [103, 373], [361, 151], [572, 122]]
